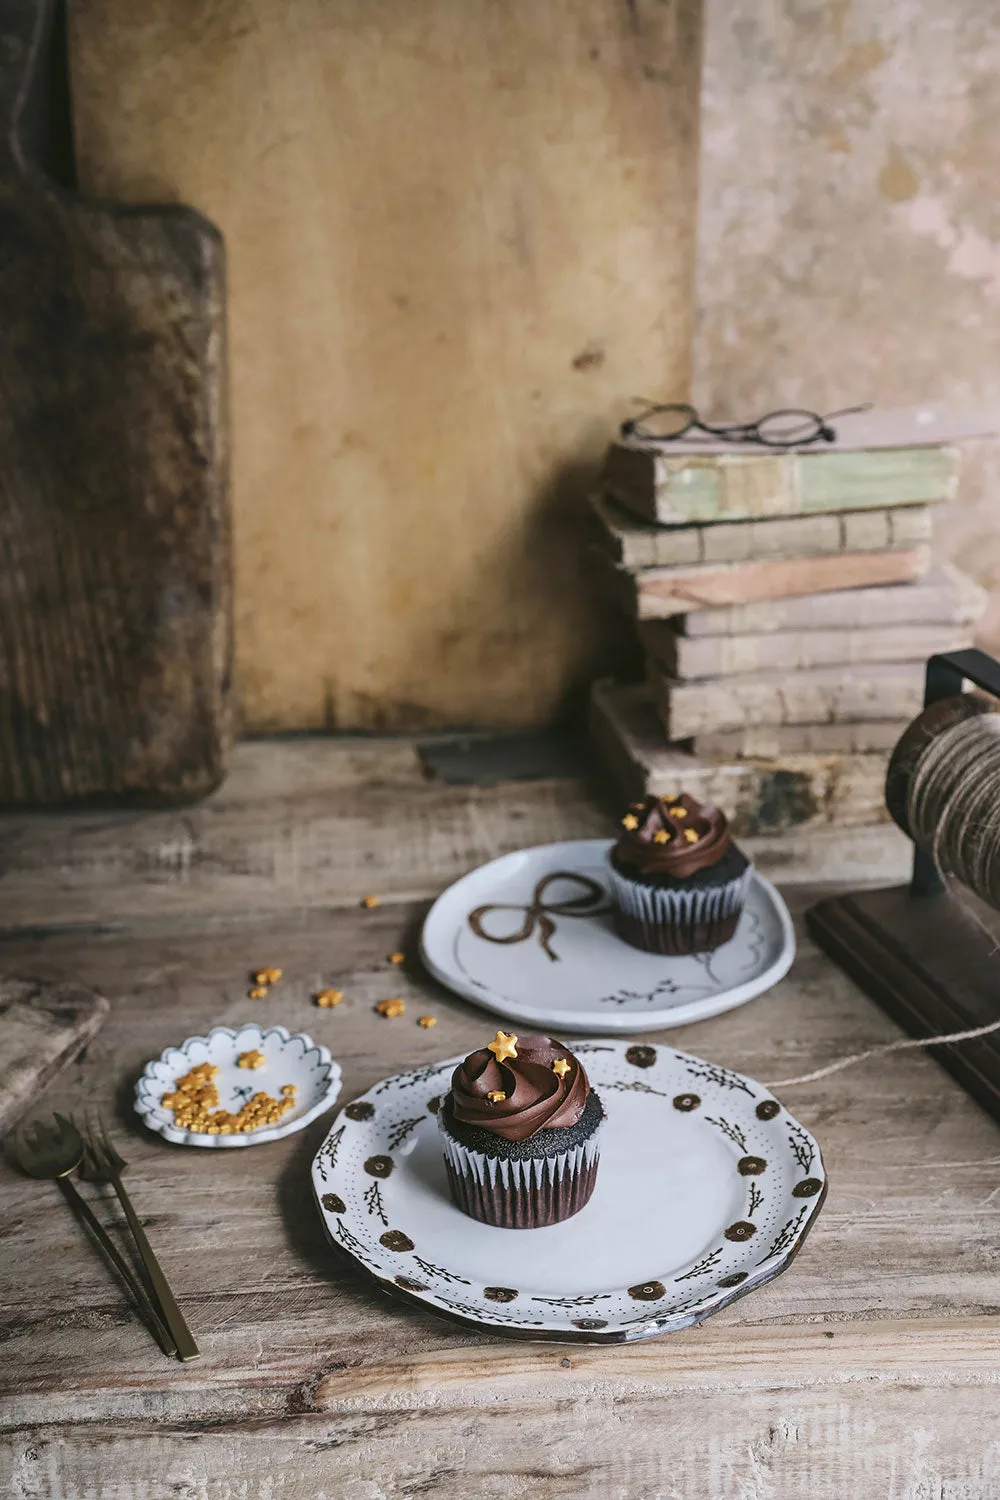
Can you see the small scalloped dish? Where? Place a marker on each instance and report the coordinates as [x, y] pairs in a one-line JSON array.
[[290, 1058]]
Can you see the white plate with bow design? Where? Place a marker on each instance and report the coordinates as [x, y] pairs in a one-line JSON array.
[[530, 937], [706, 1189]]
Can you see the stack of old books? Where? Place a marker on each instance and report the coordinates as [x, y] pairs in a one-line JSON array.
[[787, 604]]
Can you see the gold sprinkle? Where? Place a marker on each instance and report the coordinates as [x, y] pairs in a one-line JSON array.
[[427, 1020], [267, 976], [661, 836], [560, 1066], [680, 812], [630, 821], [690, 835], [196, 1096], [495, 1096], [259, 992], [369, 902], [289, 1088], [503, 1046], [252, 1059], [396, 958], [390, 1008], [326, 998]]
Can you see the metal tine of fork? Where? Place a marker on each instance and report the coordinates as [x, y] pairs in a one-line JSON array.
[[113, 1156]]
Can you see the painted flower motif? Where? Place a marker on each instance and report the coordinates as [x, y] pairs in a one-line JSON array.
[[360, 1110], [333, 1203], [379, 1166], [648, 1291], [807, 1188], [499, 1293], [395, 1239], [751, 1166], [433, 1105], [741, 1230], [590, 1323], [733, 1280], [767, 1109], [409, 1285], [686, 1102], [641, 1057]]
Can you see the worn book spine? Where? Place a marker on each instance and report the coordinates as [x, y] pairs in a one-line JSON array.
[[944, 597], [759, 797], [818, 697], [681, 488], [637, 544], [690, 658], [659, 593]]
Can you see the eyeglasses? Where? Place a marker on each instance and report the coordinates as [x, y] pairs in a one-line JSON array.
[[788, 427]]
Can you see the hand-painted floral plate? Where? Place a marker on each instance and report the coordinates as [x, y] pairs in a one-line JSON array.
[[530, 937], [288, 1059], [705, 1191]]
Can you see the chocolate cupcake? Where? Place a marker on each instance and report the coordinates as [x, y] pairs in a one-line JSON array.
[[678, 882], [520, 1128]]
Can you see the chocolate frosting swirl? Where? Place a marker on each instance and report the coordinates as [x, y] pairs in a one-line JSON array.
[[641, 850], [535, 1097]]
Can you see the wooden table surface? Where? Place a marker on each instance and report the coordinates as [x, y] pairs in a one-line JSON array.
[[869, 1369]]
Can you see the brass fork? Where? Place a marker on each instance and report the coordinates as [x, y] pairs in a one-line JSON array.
[[102, 1163], [54, 1151]]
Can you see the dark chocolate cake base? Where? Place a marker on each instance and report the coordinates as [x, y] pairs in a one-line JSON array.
[[546, 1202], [697, 937]]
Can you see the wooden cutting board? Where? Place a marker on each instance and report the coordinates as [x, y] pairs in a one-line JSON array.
[[114, 532], [42, 1028]]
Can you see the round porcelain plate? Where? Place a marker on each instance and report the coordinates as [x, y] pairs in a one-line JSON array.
[[570, 971], [289, 1059], [705, 1190]]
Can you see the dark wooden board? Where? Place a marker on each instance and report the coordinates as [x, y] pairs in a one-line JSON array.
[[114, 531], [928, 963]]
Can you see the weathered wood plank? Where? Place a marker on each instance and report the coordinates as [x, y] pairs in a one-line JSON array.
[[864, 1367], [776, 741], [42, 1028], [636, 544], [115, 639]]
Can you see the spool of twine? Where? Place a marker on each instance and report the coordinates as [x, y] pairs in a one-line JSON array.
[[943, 789]]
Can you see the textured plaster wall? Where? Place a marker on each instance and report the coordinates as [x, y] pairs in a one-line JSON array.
[[849, 220]]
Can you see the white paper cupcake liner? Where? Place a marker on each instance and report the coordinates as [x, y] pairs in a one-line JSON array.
[[656, 906], [517, 1175]]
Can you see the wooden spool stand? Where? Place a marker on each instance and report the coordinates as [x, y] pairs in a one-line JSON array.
[[916, 949]]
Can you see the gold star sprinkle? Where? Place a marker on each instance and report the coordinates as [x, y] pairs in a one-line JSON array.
[[661, 836], [495, 1096], [560, 1066], [369, 902], [503, 1046], [690, 835], [427, 1020], [267, 976], [259, 992], [326, 998], [396, 958], [630, 821], [390, 1008], [253, 1059], [680, 812]]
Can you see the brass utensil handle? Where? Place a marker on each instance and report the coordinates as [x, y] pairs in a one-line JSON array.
[[158, 1283], [84, 1213]]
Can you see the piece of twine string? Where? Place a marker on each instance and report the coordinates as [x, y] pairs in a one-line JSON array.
[[953, 811]]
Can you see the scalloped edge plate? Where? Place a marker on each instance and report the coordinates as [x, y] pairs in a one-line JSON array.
[[301, 1060], [707, 1188]]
